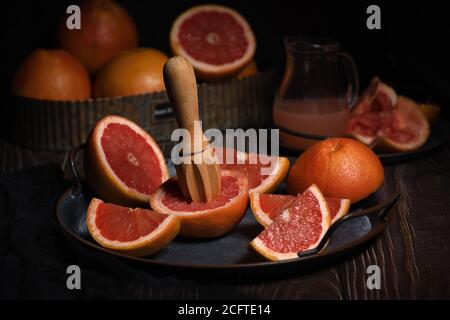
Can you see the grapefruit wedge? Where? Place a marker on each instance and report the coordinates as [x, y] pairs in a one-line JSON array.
[[296, 229], [387, 122], [267, 207], [137, 232], [259, 181], [205, 220], [123, 164], [216, 40]]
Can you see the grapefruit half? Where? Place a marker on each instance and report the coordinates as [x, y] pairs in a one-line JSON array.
[[123, 164], [205, 220], [259, 181], [267, 207], [137, 232], [216, 40], [296, 229]]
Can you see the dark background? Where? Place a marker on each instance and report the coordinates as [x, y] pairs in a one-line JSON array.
[[410, 51]]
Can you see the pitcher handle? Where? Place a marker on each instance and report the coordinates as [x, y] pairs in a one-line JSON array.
[[352, 76]]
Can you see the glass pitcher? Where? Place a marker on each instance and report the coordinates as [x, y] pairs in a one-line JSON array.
[[320, 85]]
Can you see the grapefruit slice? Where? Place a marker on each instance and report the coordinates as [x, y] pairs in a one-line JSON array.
[[296, 229], [205, 220], [386, 121], [137, 232], [123, 163], [406, 129], [258, 181], [216, 40], [338, 208], [267, 207]]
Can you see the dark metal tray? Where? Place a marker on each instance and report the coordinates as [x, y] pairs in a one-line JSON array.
[[366, 220]]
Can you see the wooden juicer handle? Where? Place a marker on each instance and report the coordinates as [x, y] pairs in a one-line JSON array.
[[199, 175]]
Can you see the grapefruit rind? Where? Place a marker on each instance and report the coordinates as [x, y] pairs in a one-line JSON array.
[[260, 216], [343, 210], [143, 246], [208, 223], [101, 177], [273, 181], [208, 71], [273, 255]]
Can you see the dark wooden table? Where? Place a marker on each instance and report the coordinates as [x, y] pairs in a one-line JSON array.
[[413, 253]]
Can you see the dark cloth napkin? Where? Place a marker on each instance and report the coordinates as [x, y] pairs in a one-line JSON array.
[[35, 253]]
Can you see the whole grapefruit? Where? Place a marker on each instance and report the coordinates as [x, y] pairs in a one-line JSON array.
[[136, 71], [340, 167], [51, 75], [106, 29]]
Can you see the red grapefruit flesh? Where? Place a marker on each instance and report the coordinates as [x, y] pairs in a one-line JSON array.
[[123, 163], [137, 232], [205, 220], [386, 121], [217, 41], [259, 181], [406, 129], [267, 207], [338, 208], [296, 229]]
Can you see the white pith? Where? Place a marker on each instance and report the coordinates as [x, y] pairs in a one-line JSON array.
[[260, 215], [268, 180]]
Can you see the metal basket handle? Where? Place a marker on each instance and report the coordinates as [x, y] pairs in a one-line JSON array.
[[73, 168]]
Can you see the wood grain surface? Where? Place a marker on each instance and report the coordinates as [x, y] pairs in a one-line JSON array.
[[413, 253]]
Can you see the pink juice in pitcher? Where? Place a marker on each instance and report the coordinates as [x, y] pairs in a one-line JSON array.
[[316, 116], [320, 84]]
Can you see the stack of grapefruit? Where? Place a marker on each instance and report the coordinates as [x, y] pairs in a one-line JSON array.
[[217, 40]]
